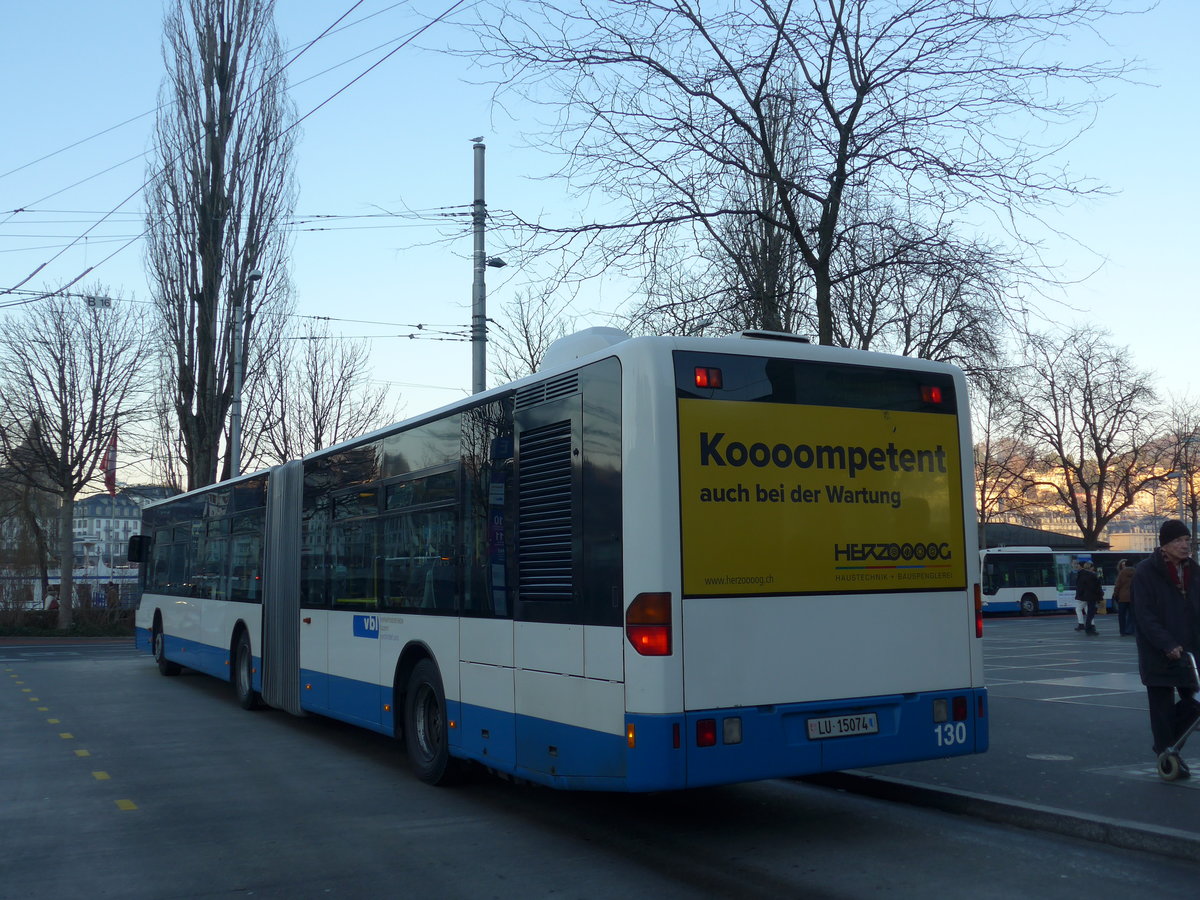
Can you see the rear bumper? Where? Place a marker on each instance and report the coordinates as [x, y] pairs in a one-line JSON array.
[[774, 740]]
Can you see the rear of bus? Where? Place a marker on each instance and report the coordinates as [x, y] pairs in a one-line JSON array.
[[821, 611]]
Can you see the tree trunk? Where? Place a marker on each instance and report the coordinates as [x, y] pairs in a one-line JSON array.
[[66, 562]]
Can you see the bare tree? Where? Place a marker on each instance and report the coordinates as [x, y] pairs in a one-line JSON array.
[[1183, 440], [1095, 418], [220, 188], [1003, 457], [531, 324], [26, 517], [313, 394], [930, 105], [71, 376]]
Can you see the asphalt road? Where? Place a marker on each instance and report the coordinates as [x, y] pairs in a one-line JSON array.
[[1070, 745], [118, 782]]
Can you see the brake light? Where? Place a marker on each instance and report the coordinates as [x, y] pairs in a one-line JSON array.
[[958, 707], [978, 611], [708, 377], [931, 393], [648, 624], [706, 733]]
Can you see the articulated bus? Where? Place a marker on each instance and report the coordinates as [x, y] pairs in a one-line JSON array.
[[1033, 580], [657, 563]]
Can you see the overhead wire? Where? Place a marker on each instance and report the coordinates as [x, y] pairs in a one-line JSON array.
[[452, 331], [405, 42]]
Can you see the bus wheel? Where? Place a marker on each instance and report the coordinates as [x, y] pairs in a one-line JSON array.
[[243, 673], [425, 728], [165, 666], [1029, 605]]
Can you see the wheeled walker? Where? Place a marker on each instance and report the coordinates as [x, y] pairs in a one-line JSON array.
[[1170, 767]]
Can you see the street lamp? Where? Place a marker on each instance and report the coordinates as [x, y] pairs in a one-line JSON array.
[[235, 406]]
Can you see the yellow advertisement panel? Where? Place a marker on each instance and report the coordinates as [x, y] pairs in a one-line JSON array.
[[780, 498]]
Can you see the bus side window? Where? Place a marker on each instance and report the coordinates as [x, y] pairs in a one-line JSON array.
[[989, 579], [160, 562], [245, 558]]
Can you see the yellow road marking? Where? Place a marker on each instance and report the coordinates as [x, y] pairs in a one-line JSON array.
[[100, 776], [126, 804], [43, 709], [26, 690], [66, 735], [82, 753], [52, 721], [34, 700]]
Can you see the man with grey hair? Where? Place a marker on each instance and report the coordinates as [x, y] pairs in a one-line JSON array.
[[1166, 606]]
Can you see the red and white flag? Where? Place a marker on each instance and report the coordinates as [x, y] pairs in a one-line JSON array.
[[108, 465]]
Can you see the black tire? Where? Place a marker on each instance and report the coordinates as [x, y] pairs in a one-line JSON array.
[[1169, 768], [243, 673], [158, 642], [426, 734], [1029, 605]]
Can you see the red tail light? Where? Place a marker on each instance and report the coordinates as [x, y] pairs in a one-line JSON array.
[[958, 706], [648, 624], [978, 611], [706, 733]]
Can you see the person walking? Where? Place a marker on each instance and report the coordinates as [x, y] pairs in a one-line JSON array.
[[1089, 592], [1166, 608], [1121, 595], [1080, 605]]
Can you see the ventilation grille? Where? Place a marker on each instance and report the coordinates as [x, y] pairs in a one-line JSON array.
[[545, 519], [551, 389]]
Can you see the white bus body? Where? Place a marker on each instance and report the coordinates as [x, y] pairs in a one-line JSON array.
[[670, 562]]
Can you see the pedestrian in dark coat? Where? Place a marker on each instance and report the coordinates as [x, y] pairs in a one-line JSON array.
[[1166, 606], [1090, 592], [1121, 593]]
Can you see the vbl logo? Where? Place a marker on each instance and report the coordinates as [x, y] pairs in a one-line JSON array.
[[366, 626]]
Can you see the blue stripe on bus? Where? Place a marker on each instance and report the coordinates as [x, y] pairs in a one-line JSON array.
[[200, 657], [346, 699], [774, 744]]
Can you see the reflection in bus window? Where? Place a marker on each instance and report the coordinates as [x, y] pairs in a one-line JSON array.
[[419, 560], [351, 563], [245, 558]]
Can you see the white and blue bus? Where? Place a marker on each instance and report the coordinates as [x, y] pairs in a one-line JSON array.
[[657, 563], [1033, 580]]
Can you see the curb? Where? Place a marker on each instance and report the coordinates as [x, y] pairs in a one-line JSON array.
[[1121, 833]]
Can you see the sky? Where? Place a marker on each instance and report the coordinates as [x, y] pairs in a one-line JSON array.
[[76, 118]]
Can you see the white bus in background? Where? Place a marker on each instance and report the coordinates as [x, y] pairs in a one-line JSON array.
[[1033, 580], [657, 563]]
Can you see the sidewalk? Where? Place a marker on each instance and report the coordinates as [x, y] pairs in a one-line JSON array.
[[1070, 746]]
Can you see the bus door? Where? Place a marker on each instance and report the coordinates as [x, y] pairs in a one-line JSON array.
[[354, 690]]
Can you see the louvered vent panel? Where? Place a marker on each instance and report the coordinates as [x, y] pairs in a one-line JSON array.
[[544, 494], [554, 389]]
